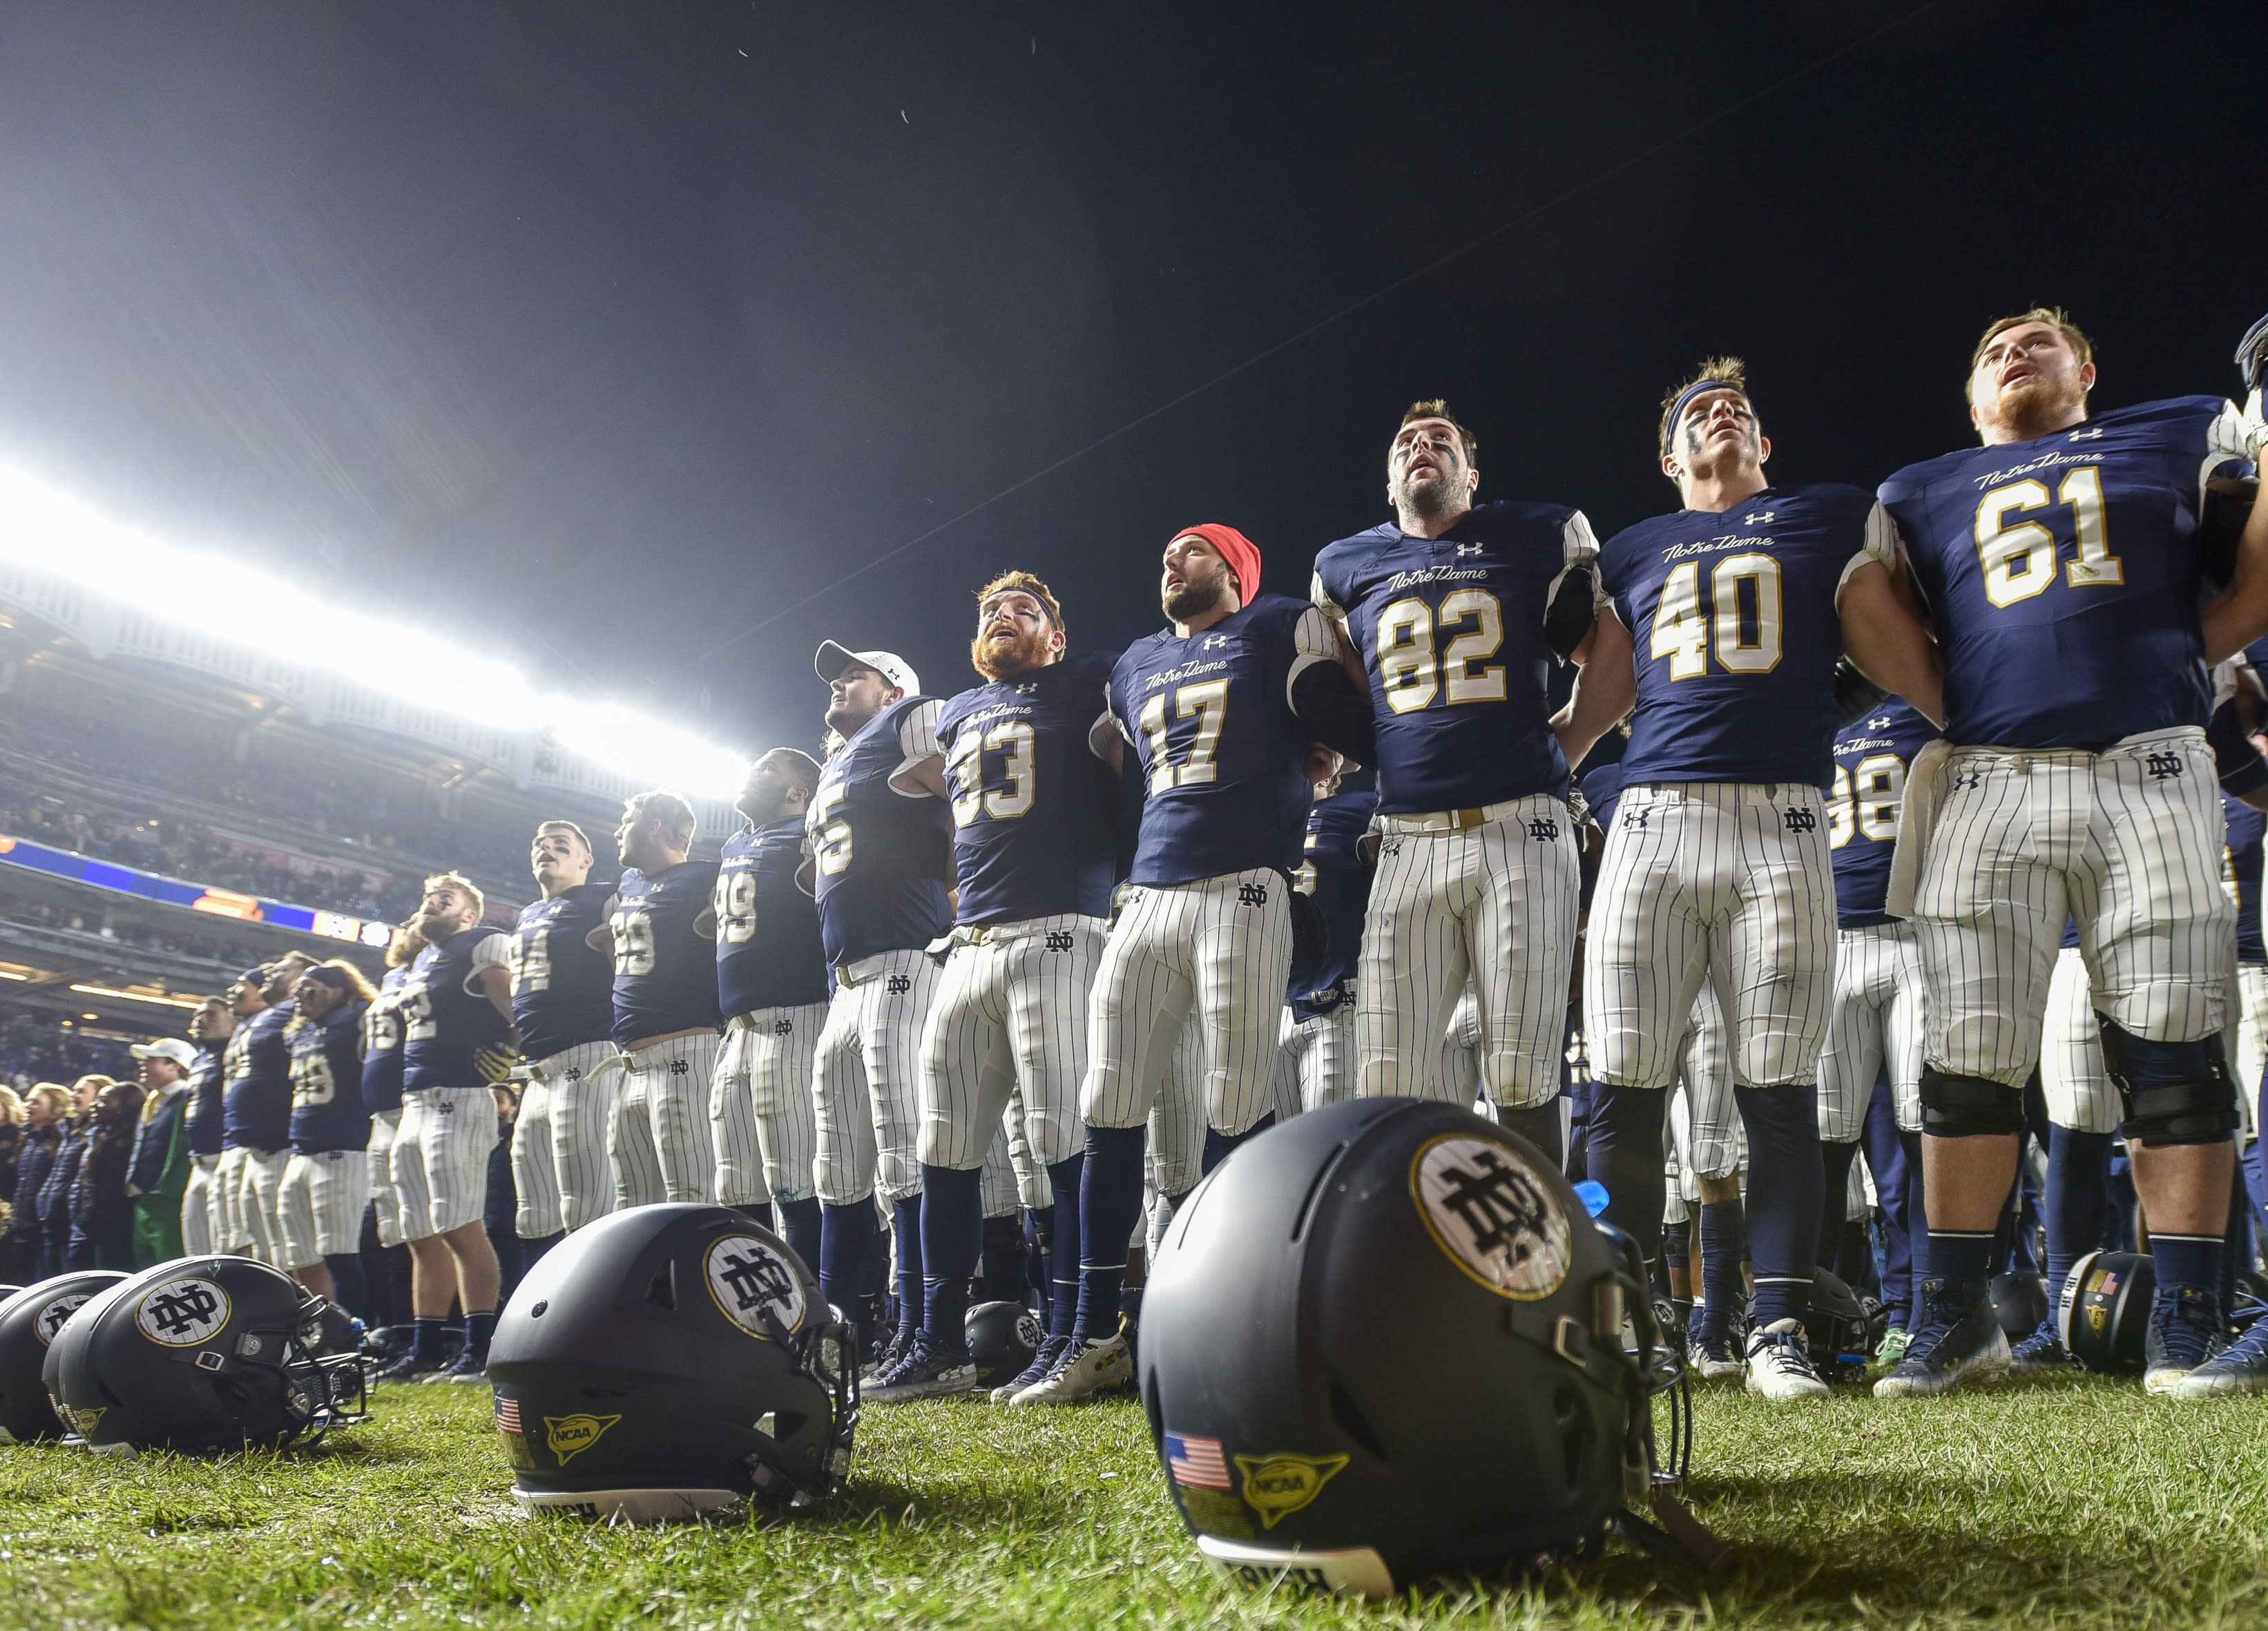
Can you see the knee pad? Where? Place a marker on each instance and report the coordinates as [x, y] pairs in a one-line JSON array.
[[2174, 1092], [1969, 1106]]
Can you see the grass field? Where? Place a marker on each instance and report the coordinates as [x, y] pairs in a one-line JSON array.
[[2064, 1503]]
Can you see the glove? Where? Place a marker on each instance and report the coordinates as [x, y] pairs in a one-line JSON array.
[[2221, 527], [494, 1062], [1855, 695]]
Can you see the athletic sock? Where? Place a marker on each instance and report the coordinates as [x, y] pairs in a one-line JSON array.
[[846, 1238], [478, 1329], [799, 1224], [1834, 1158], [1538, 1124], [951, 1218], [1724, 1243], [1218, 1146], [1110, 1205], [1960, 1257], [905, 1232], [349, 1289], [1784, 1180], [1625, 1156], [2073, 1208], [425, 1346], [2187, 1262]]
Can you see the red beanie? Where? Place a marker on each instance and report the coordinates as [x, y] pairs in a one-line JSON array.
[[1242, 554]]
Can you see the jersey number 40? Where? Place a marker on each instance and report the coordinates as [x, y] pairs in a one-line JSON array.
[[1686, 630]]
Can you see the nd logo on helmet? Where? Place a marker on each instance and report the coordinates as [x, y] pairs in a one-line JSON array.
[[569, 1436], [1277, 1486]]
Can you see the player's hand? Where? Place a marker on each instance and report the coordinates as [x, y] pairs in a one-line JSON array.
[[2252, 366], [1323, 762], [494, 1062]]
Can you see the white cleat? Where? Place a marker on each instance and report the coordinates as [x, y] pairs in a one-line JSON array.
[[1081, 1373], [1779, 1368]]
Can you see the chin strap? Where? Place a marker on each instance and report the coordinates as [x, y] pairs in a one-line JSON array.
[[828, 1352]]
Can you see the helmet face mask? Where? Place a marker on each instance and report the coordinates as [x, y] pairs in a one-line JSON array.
[[1298, 1439], [669, 1360], [201, 1356]]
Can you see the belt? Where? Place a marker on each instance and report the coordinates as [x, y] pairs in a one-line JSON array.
[[1450, 821]]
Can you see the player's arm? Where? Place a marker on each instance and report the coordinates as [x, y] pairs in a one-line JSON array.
[[2238, 615], [1606, 687], [1883, 628], [491, 973], [1332, 704], [921, 772], [1342, 639], [1106, 737]]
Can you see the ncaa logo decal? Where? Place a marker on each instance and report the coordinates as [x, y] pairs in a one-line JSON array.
[[51, 1318], [569, 1436], [182, 1313], [747, 1278], [1493, 1213], [1276, 1486]]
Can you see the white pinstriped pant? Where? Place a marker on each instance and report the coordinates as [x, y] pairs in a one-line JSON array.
[[1219, 948], [559, 1161], [658, 1143], [2073, 1076], [1007, 1031], [319, 1207], [440, 1158], [2127, 842], [1706, 1136], [1321, 1054], [200, 1204], [866, 1079], [1496, 903], [762, 1120], [1724, 882], [1876, 1022], [383, 1197]]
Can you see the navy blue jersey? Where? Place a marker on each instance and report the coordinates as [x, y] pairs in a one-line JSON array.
[[2245, 827], [768, 950], [256, 1112], [2062, 574], [562, 991], [1735, 635], [208, 1081], [1871, 756], [665, 963], [1334, 871], [881, 859], [1223, 754], [327, 1111], [1032, 806], [446, 1019], [1451, 632], [381, 1046]]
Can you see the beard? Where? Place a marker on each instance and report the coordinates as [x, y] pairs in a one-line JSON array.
[[1005, 660], [1195, 599], [1431, 495], [2036, 405]]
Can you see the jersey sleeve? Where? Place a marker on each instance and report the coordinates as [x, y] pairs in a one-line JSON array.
[[917, 734], [1578, 546], [1109, 720], [1311, 643], [1878, 542], [2235, 433], [1326, 595], [490, 950]]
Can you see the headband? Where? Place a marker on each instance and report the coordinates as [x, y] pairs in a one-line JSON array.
[[1677, 409]]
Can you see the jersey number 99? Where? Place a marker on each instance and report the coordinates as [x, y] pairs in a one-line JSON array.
[[633, 933], [734, 904]]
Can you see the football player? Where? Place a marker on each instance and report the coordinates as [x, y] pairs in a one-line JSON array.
[[1035, 853], [381, 1093], [771, 986], [203, 1228], [256, 1108], [563, 1006], [327, 1184], [1319, 1017], [881, 859], [457, 1039], [2060, 563], [661, 933], [1222, 711], [1717, 868]]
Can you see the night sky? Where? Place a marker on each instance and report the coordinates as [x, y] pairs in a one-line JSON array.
[[605, 332]]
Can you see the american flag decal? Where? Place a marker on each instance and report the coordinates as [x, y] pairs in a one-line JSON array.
[[1197, 1463], [507, 1414]]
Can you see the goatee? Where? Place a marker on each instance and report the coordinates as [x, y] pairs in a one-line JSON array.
[[1005, 660]]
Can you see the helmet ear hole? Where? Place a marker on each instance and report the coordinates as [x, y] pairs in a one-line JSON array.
[[1574, 1424], [1351, 1421], [1150, 1409], [663, 1292]]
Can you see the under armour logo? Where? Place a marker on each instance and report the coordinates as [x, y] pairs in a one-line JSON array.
[[783, 1027], [1543, 830], [1762, 518], [679, 1067], [1030, 688], [1800, 820], [1633, 818], [1468, 549], [755, 1280], [2085, 436], [1212, 641], [1252, 894], [1969, 778], [2163, 765], [1500, 1204], [188, 1307], [899, 984], [1058, 940], [1879, 721]]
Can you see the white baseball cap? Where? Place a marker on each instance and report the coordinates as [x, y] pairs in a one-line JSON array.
[[834, 657], [180, 1053]]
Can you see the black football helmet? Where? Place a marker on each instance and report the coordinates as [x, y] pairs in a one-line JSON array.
[[1386, 1338], [667, 1360], [2103, 1316], [2019, 1302], [1836, 1330], [29, 1320], [203, 1355], [1003, 1337]]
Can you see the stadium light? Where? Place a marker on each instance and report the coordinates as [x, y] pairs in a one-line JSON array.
[[137, 996], [45, 531]]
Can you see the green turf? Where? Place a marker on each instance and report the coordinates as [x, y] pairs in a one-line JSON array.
[[2068, 1503]]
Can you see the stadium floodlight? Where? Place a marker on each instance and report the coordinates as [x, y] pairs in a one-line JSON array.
[[138, 996], [50, 532]]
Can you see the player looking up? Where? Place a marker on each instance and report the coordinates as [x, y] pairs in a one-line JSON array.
[[1441, 617], [204, 1229], [1716, 869], [256, 1127], [771, 986], [563, 1006], [881, 840], [2061, 568], [1222, 709], [327, 1182], [662, 932], [1033, 815], [456, 1027]]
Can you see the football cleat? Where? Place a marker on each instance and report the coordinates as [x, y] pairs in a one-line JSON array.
[[1779, 1364], [1083, 1371], [2184, 1331], [463, 1368], [2042, 1351], [891, 1351], [1894, 1346], [2240, 1368], [926, 1369], [1960, 1340], [1714, 1360], [411, 1367], [1044, 1361]]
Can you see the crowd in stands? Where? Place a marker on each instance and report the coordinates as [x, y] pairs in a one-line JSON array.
[[33, 1048], [102, 926]]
